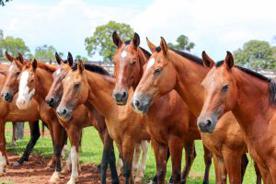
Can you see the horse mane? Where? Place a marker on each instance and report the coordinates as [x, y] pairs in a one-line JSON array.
[[186, 55], [92, 68], [47, 67], [272, 91], [253, 73]]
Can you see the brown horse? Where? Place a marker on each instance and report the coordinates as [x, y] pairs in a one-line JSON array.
[[125, 127], [76, 124], [171, 125], [252, 99], [169, 69], [10, 112], [34, 92]]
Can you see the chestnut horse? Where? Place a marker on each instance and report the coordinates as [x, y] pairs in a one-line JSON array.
[[10, 112], [171, 125], [75, 125], [33, 92], [169, 69], [252, 99], [125, 127]]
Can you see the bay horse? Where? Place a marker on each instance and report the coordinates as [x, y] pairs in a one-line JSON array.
[[169, 69], [126, 127], [171, 125], [35, 92], [252, 99], [10, 112], [75, 125]]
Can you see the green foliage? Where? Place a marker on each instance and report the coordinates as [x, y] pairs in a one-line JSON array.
[[13, 45], [101, 41], [256, 54], [3, 2], [45, 52], [82, 58], [182, 43]]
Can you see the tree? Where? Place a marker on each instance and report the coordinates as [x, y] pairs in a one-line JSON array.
[[3, 2], [182, 43], [82, 58], [13, 45], [101, 40], [45, 52], [256, 54]]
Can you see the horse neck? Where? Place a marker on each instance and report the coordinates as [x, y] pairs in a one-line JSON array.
[[143, 59], [43, 83], [188, 85], [252, 107], [100, 93]]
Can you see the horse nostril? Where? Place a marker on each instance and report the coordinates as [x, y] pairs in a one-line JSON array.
[[64, 112], [137, 103], [209, 123], [124, 94], [51, 102]]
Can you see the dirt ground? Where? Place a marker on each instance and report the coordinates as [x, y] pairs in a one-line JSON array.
[[35, 171]]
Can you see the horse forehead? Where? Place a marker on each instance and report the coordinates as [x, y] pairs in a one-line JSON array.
[[150, 63], [12, 67], [24, 77]]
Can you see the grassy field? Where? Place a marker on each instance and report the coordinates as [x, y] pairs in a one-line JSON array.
[[92, 148]]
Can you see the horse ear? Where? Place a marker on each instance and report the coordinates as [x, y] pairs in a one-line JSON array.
[[116, 39], [229, 60], [34, 64], [9, 57], [150, 45], [136, 40], [164, 46], [58, 58], [80, 66], [207, 61], [70, 59], [20, 58]]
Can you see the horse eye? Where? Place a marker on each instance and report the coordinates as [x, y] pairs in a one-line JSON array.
[[132, 62], [157, 71], [17, 73], [225, 88], [77, 85]]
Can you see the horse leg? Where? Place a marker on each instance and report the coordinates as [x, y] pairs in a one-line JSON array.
[[108, 156], [13, 133], [136, 157], [59, 140], [176, 146], [258, 174], [3, 155], [208, 163], [154, 179], [128, 150], [74, 137], [35, 134], [233, 166], [219, 170], [141, 169], [190, 155], [244, 163]]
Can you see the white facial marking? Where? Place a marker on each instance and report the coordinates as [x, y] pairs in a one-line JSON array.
[[3, 162], [24, 93], [11, 67], [150, 63], [124, 54], [58, 72]]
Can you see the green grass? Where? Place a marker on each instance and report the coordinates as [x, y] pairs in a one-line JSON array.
[[92, 148]]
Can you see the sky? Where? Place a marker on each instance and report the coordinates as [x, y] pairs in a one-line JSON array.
[[213, 25]]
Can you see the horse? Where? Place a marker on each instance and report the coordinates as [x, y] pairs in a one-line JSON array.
[[34, 92], [75, 125], [252, 99], [169, 69], [171, 125], [11, 113], [92, 89]]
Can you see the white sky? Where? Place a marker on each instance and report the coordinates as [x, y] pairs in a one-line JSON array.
[[214, 25]]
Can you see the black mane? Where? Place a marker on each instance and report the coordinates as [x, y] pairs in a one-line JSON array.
[[272, 91], [92, 68], [189, 56], [253, 73]]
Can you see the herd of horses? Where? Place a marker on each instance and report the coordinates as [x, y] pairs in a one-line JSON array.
[[167, 98]]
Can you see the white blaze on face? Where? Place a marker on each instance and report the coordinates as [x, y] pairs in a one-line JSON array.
[[150, 63], [24, 93], [11, 68], [124, 54], [57, 72]]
